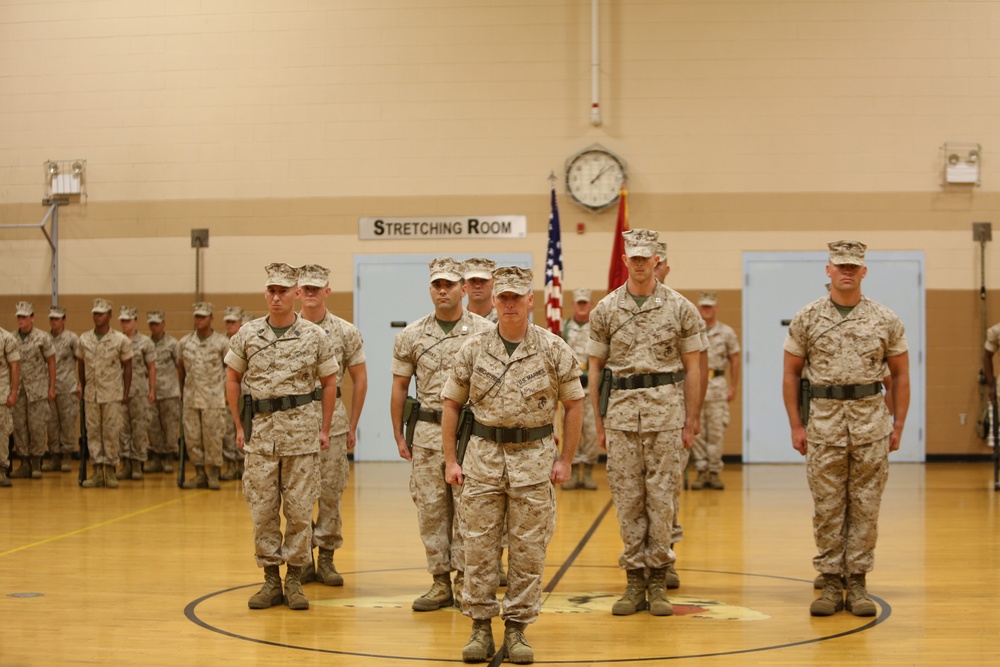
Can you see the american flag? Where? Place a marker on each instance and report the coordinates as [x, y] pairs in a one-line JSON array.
[[553, 272]]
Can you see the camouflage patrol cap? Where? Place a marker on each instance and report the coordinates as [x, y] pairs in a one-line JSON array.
[[512, 279], [445, 268], [127, 313], [155, 317], [847, 252], [101, 306], [314, 275], [202, 309], [233, 314], [661, 250], [640, 242], [57, 312], [24, 309], [245, 317], [707, 298], [582, 294], [478, 267], [282, 275]]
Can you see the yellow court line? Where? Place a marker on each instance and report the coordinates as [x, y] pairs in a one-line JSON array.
[[98, 525]]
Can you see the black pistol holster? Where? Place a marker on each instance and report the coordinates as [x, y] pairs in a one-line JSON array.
[[604, 392], [246, 416], [411, 410], [463, 432], [805, 395]]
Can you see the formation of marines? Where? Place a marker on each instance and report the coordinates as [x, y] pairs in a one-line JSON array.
[[644, 374]]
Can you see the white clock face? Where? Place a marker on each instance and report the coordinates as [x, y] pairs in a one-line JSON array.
[[594, 178]]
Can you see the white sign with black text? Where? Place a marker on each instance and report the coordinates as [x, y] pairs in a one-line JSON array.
[[443, 227]]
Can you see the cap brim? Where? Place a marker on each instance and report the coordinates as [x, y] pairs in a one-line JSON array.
[[445, 275], [312, 283], [485, 275]]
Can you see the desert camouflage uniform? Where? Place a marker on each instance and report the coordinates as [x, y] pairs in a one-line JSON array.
[[282, 456], [510, 480], [577, 335], [64, 412], [165, 413], [423, 349], [491, 316], [135, 433], [677, 530], [31, 412], [643, 426], [104, 391], [205, 411], [847, 461], [10, 352], [707, 447], [328, 532]]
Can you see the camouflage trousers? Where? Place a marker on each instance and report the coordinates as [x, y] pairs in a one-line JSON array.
[[530, 513], [6, 428], [203, 432], [165, 425], [230, 452], [328, 527], [707, 447], [105, 422], [281, 485], [847, 485], [677, 530], [437, 512], [644, 472], [587, 451], [135, 430], [31, 426], [64, 413]]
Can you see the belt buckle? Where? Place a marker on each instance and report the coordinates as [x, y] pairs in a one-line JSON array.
[[284, 403]]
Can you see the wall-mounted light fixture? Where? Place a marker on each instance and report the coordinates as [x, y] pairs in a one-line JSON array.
[[961, 163], [65, 179]]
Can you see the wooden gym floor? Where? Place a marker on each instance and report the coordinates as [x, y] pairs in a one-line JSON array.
[[150, 575]]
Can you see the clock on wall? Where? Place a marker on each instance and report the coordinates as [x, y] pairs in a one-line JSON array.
[[594, 177]]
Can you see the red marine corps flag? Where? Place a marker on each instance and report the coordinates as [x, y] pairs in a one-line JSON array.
[[617, 273], [553, 272]]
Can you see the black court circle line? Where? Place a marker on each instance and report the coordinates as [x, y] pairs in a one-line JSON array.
[[886, 612]]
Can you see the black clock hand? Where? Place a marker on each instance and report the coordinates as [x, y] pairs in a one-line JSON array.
[[594, 179]]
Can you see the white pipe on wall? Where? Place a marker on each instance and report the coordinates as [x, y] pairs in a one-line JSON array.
[[595, 66]]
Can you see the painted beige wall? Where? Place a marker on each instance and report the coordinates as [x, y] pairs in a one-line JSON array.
[[746, 125]]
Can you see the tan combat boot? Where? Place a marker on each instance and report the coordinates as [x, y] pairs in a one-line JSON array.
[[23, 471], [672, 578], [700, 481], [96, 478], [659, 605], [438, 596], [820, 581], [168, 462], [270, 593], [326, 571], [308, 574], [110, 480], [213, 477], [153, 464], [588, 478], [480, 646], [199, 481], [136, 470], [715, 482], [831, 600], [516, 647], [858, 602], [229, 472], [4, 480], [634, 598], [36, 467], [457, 588], [126, 470], [296, 599], [574, 478], [64, 465], [53, 463]]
